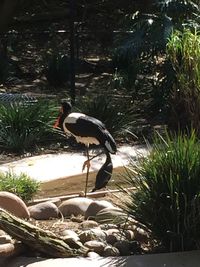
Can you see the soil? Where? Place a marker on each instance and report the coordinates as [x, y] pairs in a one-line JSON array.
[[76, 184]]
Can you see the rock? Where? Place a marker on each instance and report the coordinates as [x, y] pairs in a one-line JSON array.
[[111, 215], [110, 251], [85, 236], [92, 234], [88, 224], [75, 206], [44, 211], [14, 205], [4, 239], [141, 235], [126, 226], [112, 231], [6, 249], [108, 226], [112, 239], [11, 249], [98, 233], [77, 219], [70, 234], [129, 234], [92, 255], [123, 246], [112, 236], [96, 206], [56, 201], [96, 246], [2, 233]]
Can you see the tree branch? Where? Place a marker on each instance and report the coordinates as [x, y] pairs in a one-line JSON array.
[[43, 241]]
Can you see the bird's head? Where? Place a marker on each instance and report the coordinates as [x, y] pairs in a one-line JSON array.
[[64, 112]]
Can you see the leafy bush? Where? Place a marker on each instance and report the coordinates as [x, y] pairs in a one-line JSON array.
[[22, 127], [21, 185], [184, 53], [167, 198]]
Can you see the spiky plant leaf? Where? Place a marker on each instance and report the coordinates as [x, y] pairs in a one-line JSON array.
[[167, 198], [22, 127]]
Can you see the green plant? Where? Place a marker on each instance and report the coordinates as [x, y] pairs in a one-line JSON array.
[[146, 35], [21, 185], [183, 50], [22, 127], [139, 59], [167, 195]]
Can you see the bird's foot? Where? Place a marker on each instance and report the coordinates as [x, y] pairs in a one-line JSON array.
[[86, 163]]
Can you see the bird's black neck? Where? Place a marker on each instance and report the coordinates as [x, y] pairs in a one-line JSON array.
[[108, 158], [65, 111]]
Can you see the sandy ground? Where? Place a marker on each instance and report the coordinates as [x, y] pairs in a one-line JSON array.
[[50, 167]]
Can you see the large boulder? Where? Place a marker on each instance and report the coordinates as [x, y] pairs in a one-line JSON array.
[[96, 206], [44, 211], [14, 205], [74, 206]]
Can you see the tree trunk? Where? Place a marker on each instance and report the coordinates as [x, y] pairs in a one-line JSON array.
[[39, 240]]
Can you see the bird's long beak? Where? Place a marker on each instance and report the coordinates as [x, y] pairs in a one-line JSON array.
[[56, 124]]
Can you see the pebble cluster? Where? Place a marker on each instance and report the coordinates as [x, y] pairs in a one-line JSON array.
[[104, 229]]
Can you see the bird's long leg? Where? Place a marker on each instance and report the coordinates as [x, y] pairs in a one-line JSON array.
[[88, 167], [87, 162]]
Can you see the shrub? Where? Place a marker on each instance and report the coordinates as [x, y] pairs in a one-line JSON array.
[[22, 127], [184, 52], [167, 198], [21, 185]]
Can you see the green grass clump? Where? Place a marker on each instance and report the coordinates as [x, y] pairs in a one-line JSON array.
[[21, 185], [23, 127], [167, 198]]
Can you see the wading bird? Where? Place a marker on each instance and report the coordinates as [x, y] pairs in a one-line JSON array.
[[104, 174], [86, 130]]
